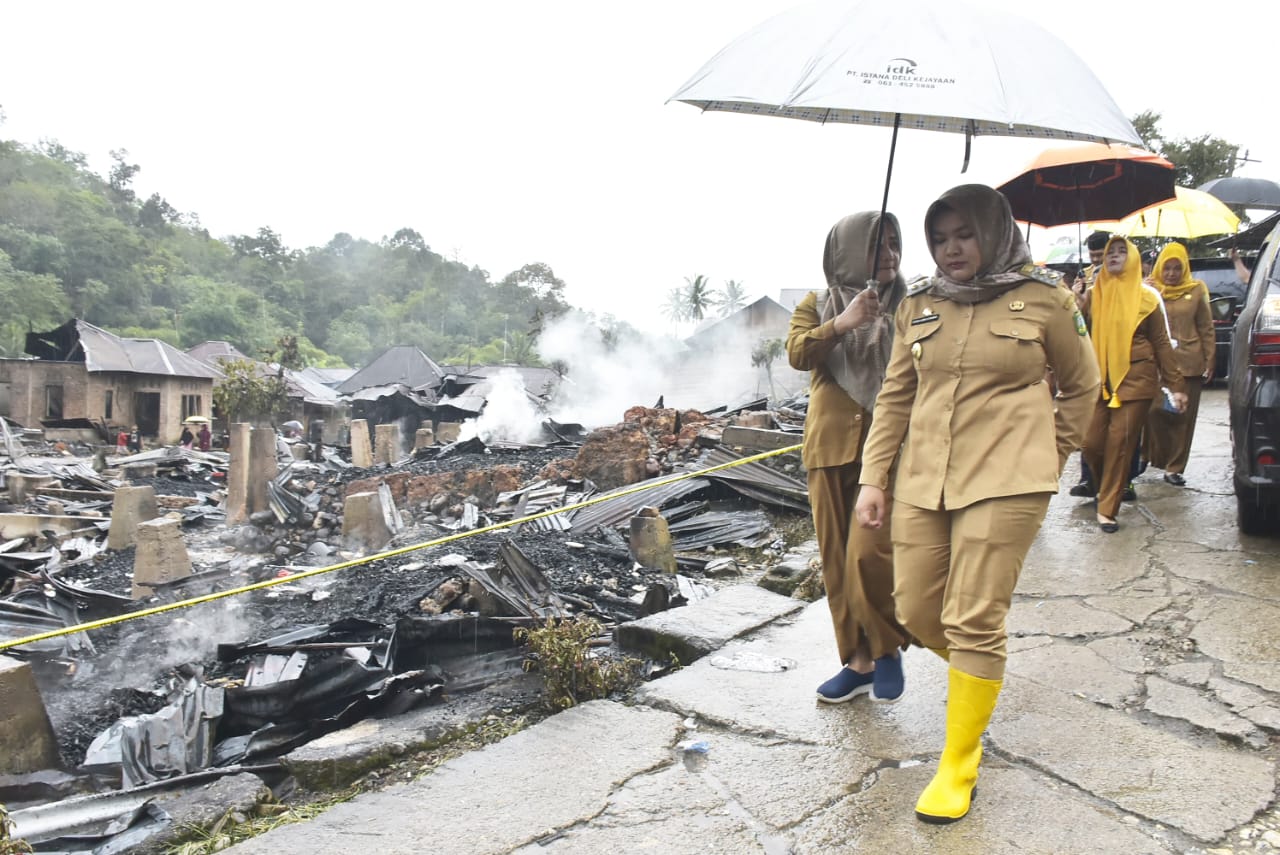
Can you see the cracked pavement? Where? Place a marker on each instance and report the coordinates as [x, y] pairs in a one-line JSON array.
[[1140, 714]]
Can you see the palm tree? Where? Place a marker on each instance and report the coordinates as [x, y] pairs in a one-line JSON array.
[[697, 297], [731, 298], [674, 308]]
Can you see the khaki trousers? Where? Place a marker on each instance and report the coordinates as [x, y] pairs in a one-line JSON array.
[[1167, 441], [857, 566], [1108, 448], [956, 571]]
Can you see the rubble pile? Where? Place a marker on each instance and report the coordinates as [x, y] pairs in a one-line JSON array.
[[247, 678]]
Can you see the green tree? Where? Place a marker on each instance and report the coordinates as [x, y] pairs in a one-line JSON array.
[[247, 393], [27, 301], [766, 352], [1195, 159], [121, 175]]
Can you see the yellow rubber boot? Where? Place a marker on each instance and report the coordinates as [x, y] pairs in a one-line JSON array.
[[970, 701]]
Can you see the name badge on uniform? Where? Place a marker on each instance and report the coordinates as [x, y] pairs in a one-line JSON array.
[[926, 317]]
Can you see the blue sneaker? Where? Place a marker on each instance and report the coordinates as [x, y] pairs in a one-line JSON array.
[[888, 683], [845, 686]]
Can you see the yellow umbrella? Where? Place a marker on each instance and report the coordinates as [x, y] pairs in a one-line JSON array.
[[1192, 214]]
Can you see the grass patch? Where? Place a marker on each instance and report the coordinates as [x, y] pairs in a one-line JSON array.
[[572, 669]]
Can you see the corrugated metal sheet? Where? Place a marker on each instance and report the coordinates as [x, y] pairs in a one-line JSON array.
[[757, 481], [78, 340], [615, 511], [403, 364]]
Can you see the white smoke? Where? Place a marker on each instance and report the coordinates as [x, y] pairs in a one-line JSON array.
[[509, 414], [194, 634], [603, 383]]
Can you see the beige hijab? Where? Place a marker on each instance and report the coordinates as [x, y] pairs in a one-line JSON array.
[[858, 362], [1003, 250]]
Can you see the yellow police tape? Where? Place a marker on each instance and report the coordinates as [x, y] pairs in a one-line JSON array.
[[293, 577]]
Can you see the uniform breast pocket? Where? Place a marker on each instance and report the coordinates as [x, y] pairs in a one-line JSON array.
[[1016, 348], [923, 342]]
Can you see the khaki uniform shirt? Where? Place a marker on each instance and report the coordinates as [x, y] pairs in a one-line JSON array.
[[1191, 323], [966, 399], [1152, 361], [834, 425]]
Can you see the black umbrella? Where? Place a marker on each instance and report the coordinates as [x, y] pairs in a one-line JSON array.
[[1088, 183], [1245, 192]]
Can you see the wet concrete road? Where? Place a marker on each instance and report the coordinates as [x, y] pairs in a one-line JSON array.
[[1139, 715]]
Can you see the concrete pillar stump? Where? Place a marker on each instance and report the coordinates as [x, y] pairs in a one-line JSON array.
[[21, 485], [448, 432], [361, 450], [161, 556], [132, 471], [651, 541], [129, 507], [386, 448], [755, 419], [238, 474], [262, 467], [424, 438], [27, 743], [367, 523]]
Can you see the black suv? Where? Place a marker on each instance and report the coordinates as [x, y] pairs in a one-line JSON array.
[[1253, 394], [1226, 299]]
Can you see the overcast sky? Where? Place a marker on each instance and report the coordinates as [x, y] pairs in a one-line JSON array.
[[516, 131]]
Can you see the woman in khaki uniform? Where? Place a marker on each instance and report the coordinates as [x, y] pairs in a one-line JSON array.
[[979, 441], [1167, 441], [842, 337], [1131, 340]]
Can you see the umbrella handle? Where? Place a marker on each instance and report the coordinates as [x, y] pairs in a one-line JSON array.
[[884, 201]]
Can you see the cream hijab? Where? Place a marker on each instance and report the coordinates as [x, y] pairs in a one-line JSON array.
[[859, 361], [1003, 251]]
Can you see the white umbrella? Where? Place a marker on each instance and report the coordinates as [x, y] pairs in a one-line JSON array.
[[938, 66]]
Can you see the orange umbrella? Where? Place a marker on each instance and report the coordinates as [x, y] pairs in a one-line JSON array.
[[1093, 181]]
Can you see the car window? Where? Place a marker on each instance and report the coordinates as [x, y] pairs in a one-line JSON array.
[[1219, 275], [1265, 268]]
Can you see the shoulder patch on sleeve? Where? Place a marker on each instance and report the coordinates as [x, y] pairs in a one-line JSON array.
[[1081, 328], [1040, 274], [919, 285]]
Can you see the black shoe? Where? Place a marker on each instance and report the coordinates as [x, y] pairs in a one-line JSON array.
[[1129, 494], [1083, 490], [1175, 479], [1109, 528]]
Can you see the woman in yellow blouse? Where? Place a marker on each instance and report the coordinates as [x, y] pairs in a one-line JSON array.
[[842, 337], [1167, 441], [978, 439]]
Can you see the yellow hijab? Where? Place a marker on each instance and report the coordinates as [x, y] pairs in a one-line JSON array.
[[1119, 303], [1174, 252]]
